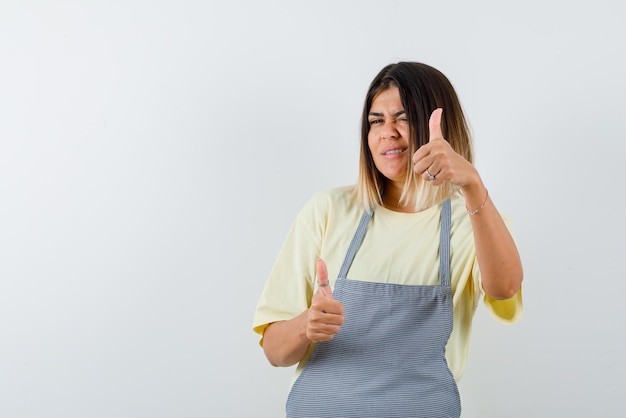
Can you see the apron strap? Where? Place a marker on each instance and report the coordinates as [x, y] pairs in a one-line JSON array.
[[355, 244], [444, 243]]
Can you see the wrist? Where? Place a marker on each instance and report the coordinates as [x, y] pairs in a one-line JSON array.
[[475, 196], [472, 212]]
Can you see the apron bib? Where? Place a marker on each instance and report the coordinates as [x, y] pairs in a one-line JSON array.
[[388, 360]]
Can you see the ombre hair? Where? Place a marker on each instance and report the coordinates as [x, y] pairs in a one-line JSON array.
[[422, 90]]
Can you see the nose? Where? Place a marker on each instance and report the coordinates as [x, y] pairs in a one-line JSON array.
[[389, 131]]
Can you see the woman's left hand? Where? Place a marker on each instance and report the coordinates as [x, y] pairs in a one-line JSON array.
[[498, 259], [439, 163]]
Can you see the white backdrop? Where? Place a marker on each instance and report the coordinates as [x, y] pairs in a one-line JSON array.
[[153, 155]]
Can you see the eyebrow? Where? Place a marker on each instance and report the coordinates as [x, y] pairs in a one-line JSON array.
[[395, 115]]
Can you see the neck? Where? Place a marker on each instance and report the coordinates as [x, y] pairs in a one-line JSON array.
[[391, 199]]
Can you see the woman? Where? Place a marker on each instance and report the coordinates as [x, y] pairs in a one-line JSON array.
[[379, 320]]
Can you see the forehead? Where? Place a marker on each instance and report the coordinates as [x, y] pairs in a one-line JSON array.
[[387, 99]]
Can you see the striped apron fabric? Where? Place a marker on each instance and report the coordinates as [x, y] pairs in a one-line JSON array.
[[388, 360]]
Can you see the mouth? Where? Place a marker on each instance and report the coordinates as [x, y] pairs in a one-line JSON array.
[[394, 151]]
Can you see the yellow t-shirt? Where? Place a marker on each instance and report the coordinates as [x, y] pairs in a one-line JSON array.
[[400, 248]]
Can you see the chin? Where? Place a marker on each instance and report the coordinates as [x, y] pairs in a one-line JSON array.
[[396, 176]]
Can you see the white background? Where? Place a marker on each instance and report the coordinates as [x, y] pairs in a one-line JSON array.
[[153, 155]]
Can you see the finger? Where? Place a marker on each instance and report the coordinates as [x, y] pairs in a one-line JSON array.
[[422, 160], [428, 175], [322, 279], [421, 153], [434, 125]]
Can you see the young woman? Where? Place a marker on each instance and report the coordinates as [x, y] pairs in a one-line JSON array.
[[374, 290]]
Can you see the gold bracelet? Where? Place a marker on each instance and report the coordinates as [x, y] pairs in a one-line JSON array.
[[475, 211]]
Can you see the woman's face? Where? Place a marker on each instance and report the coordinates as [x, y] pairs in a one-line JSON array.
[[388, 138]]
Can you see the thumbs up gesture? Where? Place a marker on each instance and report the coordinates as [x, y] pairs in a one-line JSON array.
[[438, 162], [325, 316]]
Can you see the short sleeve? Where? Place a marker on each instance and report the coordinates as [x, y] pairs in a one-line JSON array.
[[507, 311], [289, 287]]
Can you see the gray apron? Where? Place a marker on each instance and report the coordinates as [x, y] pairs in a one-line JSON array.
[[388, 360]]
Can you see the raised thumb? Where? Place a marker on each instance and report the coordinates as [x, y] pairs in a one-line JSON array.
[[322, 279], [434, 125]]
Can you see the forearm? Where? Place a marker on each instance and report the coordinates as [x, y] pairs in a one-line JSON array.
[[285, 342], [498, 258]]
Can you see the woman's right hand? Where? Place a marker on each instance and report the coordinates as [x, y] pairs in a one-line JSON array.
[[325, 316], [286, 342]]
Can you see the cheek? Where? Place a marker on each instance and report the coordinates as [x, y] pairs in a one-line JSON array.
[[404, 131], [371, 143]]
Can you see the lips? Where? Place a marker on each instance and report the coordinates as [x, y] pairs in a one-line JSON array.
[[394, 151]]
